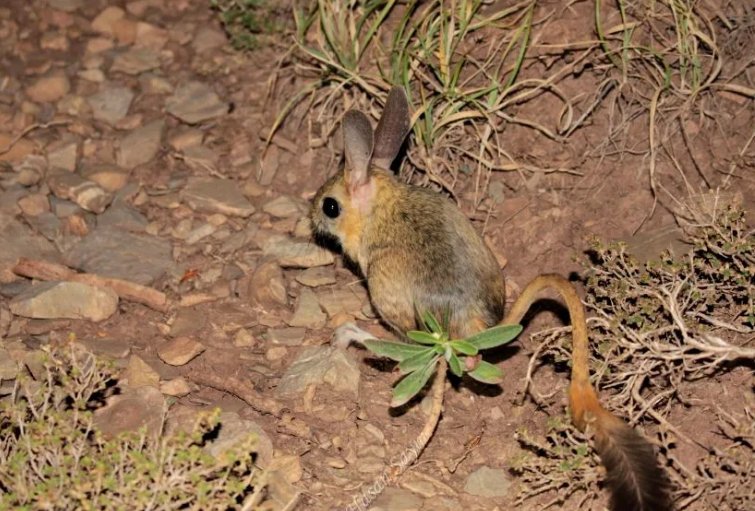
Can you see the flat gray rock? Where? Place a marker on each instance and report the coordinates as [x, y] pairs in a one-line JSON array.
[[141, 145], [488, 482], [70, 300], [317, 365], [135, 257], [135, 61], [217, 196], [111, 105], [19, 241], [195, 102]]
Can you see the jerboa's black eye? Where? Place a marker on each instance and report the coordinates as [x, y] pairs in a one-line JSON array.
[[330, 207]]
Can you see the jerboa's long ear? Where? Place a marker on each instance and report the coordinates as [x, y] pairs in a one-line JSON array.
[[392, 128], [357, 144]]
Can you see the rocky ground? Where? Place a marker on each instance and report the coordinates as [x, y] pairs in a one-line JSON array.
[[141, 215]]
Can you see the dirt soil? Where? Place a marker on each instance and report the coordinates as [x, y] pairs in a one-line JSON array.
[[338, 440]]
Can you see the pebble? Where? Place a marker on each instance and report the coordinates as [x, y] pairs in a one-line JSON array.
[[63, 156], [317, 276], [18, 151], [150, 36], [488, 482], [135, 257], [235, 430], [141, 145], [217, 195], [293, 336], [20, 241], [200, 233], [135, 61], [316, 365], [185, 138], [72, 300], [177, 387], [267, 287], [111, 104], [284, 207], [8, 367], [338, 301], [208, 38], [31, 170], [180, 351], [244, 339], [34, 204], [296, 254], [109, 348], [194, 102], [66, 5], [121, 216], [308, 313], [276, 353], [105, 20], [49, 88], [134, 409], [397, 499], [110, 177], [86, 194]]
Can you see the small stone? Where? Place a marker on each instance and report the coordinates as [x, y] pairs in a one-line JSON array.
[[303, 228], [208, 38], [72, 300], [92, 75], [135, 61], [276, 353], [153, 84], [253, 189], [179, 351], [396, 499], [284, 207], [49, 88], [150, 36], [195, 102], [267, 287], [270, 162], [135, 257], [296, 254], [488, 482], [104, 21], [186, 138], [124, 31], [243, 339], [289, 466], [293, 336], [8, 367], [31, 170], [18, 149], [110, 177], [177, 387], [54, 41], [217, 195], [109, 348], [308, 313], [63, 156], [34, 204], [134, 409], [233, 431], [141, 145], [337, 301], [87, 194], [317, 365], [111, 105], [317, 276], [139, 373], [199, 233], [98, 45]]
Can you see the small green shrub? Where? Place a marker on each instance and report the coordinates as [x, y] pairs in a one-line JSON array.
[[52, 457]]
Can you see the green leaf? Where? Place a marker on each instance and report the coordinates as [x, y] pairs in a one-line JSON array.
[[486, 372], [431, 323], [398, 351], [412, 384], [464, 347], [417, 361], [455, 365], [422, 337], [496, 336]]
